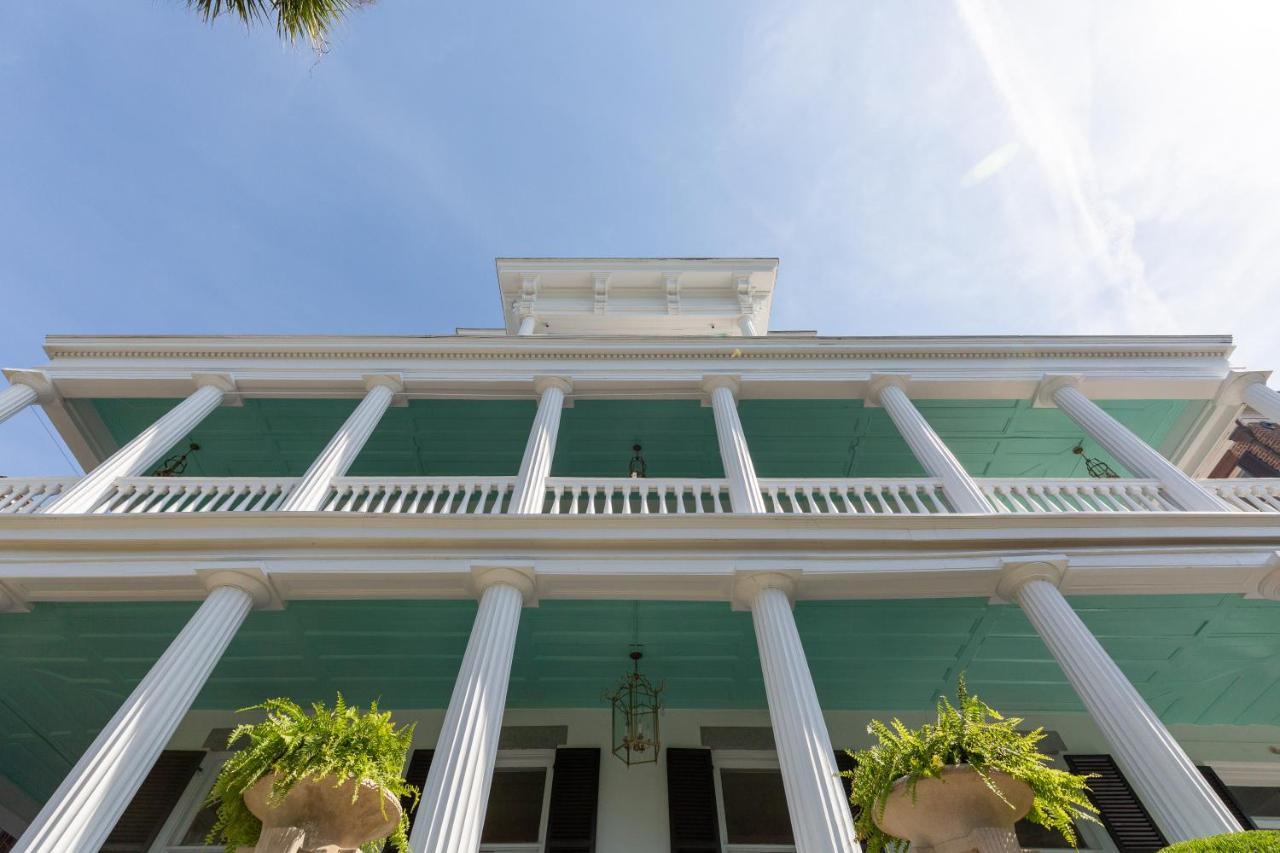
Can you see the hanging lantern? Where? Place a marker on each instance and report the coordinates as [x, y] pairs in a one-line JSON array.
[[1096, 467], [637, 467], [636, 704], [175, 465]]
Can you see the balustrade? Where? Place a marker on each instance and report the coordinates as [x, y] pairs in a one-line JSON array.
[[28, 494]]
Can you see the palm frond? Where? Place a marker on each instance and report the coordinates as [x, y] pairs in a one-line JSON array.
[[295, 19]]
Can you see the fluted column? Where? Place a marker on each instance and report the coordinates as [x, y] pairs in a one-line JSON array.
[[85, 807], [1164, 778], [748, 325], [933, 455], [137, 456], [1266, 401], [527, 323], [309, 495], [820, 818], [456, 794], [739, 470], [531, 489], [1131, 451], [15, 398]]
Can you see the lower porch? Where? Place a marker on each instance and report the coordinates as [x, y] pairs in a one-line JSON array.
[[1204, 663]]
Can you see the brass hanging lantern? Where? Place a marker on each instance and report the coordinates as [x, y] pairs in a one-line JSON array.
[[636, 705], [637, 467], [175, 465], [1096, 467]]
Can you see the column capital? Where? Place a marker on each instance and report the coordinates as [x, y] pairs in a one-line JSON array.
[[224, 382], [712, 381], [877, 382], [1049, 385], [522, 577], [11, 601], [542, 383], [1269, 585], [1017, 571], [36, 380], [748, 585], [1231, 391], [394, 382], [252, 579]]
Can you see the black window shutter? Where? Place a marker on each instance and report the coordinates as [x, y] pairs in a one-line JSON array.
[[155, 800], [575, 793], [416, 775], [1224, 793], [1126, 820], [691, 801]]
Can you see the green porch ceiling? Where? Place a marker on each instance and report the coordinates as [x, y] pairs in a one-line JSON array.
[[66, 667], [788, 438]]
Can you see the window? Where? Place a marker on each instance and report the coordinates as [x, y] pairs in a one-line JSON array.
[[752, 802], [1261, 804]]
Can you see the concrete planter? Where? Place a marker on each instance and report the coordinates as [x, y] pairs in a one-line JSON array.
[[317, 815], [957, 812]]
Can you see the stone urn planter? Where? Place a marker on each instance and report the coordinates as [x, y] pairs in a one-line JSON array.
[[317, 815], [957, 812]]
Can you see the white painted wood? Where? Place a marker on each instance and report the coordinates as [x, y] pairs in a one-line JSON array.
[[1030, 495], [1165, 779], [739, 470], [310, 494], [748, 326], [1131, 451], [639, 496], [29, 494], [1264, 400], [149, 495], [85, 807], [530, 490], [141, 453], [854, 496], [928, 448], [1245, 495], [15, 398], [454, 799], [420, 495], [527, 324], [820, 818]]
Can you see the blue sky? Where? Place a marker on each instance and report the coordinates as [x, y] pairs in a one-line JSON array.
[[919, 167]]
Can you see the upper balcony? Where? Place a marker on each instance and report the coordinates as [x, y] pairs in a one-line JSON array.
[[673, 355]]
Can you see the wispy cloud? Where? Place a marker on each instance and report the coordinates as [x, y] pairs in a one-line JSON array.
[[1104, 229]]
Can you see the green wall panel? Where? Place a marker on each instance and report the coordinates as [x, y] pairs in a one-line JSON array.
[[66, 667], [788, 438]]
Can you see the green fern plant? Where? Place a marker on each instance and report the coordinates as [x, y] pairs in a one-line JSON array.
[[342, 742], [969, 732]]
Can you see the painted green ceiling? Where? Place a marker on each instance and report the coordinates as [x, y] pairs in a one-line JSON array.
[[788, 438], [66, 667]]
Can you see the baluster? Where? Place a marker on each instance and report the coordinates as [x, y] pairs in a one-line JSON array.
[[556, 493], [437, 494], [278, 491], [1120, 494], [609, 490], [643, 490], [573, 489], [1267, 500], [897, 502], [401, 494]]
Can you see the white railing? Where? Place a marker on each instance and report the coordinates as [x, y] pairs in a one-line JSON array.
[[1261, 495], [28, 494], [142, 495], [869, 496], [421, 495], [623, 496], [641, 496], [1030, 495]]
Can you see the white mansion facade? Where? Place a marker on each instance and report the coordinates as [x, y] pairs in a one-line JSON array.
[[821, 530]]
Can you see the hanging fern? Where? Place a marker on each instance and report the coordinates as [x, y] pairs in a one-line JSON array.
[[969, 732], [341, 742]]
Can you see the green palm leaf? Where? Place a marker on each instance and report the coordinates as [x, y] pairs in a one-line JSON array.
[[295, 19]]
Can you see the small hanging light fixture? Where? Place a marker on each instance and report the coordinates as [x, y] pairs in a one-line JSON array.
[[636, 705], [1096, 467], [175, 465], [637, 467]]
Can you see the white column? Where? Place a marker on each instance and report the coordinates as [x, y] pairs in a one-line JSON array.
[[820, 818], [527, 322], [748, 326], [14, 399], [1264, 400], [935, 457], [530, 490], [309, 495], [451, 814], [739, 470], [137, 456], [83, 811], [1131, 451], [1164, 778]]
